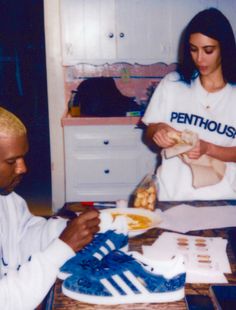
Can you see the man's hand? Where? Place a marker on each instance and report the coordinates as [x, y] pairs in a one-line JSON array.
[[80, 231]]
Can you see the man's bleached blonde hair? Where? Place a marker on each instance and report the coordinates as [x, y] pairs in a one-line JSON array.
[[10, 124]]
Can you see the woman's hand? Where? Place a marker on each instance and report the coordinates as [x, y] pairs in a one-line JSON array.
[[158, 133], [162, 139], [200, 149]]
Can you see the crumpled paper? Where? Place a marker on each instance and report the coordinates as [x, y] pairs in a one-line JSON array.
[[205, 170]]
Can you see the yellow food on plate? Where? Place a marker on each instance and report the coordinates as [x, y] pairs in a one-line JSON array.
[[135, 221]]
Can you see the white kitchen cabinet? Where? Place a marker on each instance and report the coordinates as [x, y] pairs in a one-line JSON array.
[[101, 31], [87, 30], [145, 37], [142, 31], [106, 162]]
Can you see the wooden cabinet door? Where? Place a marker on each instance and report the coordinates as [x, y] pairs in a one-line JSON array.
[[142, 32], [87, 31]]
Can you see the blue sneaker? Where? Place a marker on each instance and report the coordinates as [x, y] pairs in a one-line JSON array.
[[131, 278], [90, 256]]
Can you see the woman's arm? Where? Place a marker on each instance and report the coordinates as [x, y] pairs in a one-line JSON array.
[[157, 134], [226, 154]]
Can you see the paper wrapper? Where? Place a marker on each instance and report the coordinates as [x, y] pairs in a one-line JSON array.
[[184, 143], [206, 171]]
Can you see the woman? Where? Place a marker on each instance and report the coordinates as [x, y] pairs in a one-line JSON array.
[[200, 97]]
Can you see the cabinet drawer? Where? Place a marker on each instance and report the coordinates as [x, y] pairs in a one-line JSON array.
[[102, 170], [106, 137]]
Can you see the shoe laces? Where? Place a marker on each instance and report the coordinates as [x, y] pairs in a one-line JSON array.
[[117, 258]]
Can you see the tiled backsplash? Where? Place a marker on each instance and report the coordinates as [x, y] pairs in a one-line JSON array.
[[132, 80]]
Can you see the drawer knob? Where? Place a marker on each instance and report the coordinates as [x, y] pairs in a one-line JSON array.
[[106, 142], [106, 171]]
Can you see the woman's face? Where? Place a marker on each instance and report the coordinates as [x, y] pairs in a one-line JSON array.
[[205, 53]]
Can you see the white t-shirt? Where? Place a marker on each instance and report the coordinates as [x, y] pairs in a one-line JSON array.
[[211, 115], [30, 254]]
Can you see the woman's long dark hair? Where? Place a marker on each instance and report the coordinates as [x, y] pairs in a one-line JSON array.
[[211, 23]]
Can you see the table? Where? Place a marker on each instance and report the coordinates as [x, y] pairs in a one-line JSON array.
[[56, 299]]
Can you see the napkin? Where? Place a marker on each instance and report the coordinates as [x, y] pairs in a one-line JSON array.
[[205, 170], [107, 222]]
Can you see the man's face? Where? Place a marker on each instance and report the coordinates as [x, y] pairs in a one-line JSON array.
[[12, 164]]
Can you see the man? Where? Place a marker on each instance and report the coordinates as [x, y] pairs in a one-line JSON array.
[[32, 249]]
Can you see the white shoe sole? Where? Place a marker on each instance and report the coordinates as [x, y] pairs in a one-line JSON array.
[[128, 299]]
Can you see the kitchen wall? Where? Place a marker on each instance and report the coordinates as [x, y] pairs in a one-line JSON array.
[[131, 79]]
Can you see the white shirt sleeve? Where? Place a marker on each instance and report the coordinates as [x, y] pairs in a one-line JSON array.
[[29, 234], [26, 288]]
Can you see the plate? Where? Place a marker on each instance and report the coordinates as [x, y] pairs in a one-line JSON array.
[[139, 220]]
